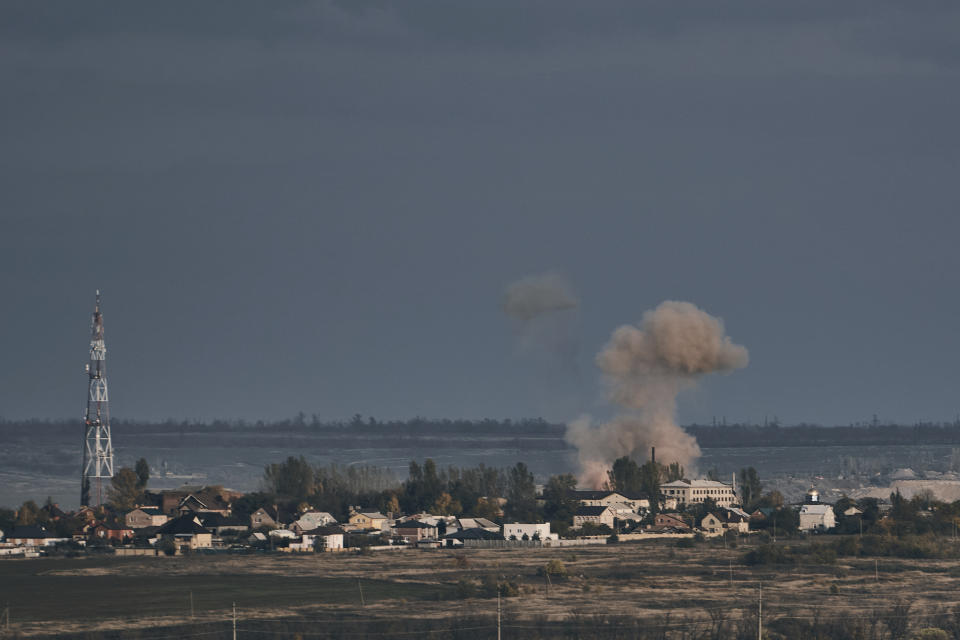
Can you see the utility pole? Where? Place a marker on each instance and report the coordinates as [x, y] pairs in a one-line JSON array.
[[191, 605], [760, 614], [234, 621], [876, 570], [360, 587], [498, 611], [731, 574]]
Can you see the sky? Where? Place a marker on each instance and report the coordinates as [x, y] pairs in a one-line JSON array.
[[316, 206]]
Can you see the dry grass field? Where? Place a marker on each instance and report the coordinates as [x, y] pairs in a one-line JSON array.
[[608, 590]]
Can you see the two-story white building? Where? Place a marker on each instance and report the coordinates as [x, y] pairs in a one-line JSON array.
[[696, 491]]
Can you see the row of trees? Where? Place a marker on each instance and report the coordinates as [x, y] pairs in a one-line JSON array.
[[453, 490]]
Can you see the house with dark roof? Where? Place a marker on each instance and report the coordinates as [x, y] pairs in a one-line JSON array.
[[187, 532], [332, 536], [466, 537], [413, 531], [595, 515], [53, 511], [220, 524], [33, 536]]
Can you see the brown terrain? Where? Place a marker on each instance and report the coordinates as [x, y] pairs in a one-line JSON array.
[[704, 591]]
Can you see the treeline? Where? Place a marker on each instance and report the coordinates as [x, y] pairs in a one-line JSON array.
[[749, 435], [480, 491], [359, 426], [304, 424]]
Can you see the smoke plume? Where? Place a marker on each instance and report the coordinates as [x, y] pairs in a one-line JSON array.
[[533, 296], [544, 309], [645, 367]]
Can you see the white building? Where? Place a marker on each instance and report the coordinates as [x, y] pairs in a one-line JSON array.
[[696, 491], [817, 517], [517, 530], [333, 540]]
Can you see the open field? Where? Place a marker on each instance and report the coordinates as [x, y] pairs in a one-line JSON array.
[[682, 592]]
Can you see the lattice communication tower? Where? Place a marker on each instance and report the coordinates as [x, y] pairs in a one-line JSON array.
[[97, 443]]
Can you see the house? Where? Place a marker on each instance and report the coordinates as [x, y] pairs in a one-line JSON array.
[[369, 520], [220, 524], [852, 511], [724, 520], [191, 504], [668, 523], [596, 515], [817, 517], [271, 517], [145, 517], [169, 501], [477, 523], [696, 491], [53, 511], [468, 537], [332, 537], [521, 531], [110, 532], [187, 532], [311, 520], [415, 530], [33, 536]]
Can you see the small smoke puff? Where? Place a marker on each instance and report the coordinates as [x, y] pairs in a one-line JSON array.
[[535, 295]]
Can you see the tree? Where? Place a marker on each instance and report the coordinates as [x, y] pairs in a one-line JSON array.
[[650, 484], [487, 508], [521, 494], [750, 486], [142, 469], [7, 519], [294, 478], [672, 472], [28, 513], [124, 489], [624, 476], [393, 505], [559, 503]]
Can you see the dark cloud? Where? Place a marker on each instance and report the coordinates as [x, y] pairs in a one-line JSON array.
[[310, 205]]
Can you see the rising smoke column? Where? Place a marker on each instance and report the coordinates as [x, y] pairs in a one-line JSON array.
[[645, 367]]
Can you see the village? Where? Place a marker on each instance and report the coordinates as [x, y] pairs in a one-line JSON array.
[[205, 519]]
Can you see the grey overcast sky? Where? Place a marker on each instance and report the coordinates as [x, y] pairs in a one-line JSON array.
[[316, 205]]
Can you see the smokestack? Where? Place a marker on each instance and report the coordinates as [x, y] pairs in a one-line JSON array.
[[653, 454]]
